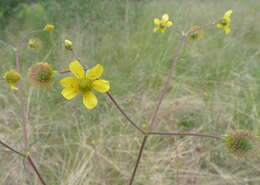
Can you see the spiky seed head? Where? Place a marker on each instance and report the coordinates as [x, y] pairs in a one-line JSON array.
[[41, 75], [241, 143]]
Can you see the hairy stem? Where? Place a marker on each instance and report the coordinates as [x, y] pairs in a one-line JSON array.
[[25, 121], [183, 134], [24, 115], [123, 112], [9, 46], [138, 159], [166, 84]]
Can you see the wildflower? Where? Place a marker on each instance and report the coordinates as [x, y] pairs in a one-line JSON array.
[[162, 24], [41, 75], [194, 35], [84, 83], [49, 28], [225, 22], [240, 143], [35, 44], [68, 44], [12, 77]]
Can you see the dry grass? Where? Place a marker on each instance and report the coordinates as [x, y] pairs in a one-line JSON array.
[[215, 90]]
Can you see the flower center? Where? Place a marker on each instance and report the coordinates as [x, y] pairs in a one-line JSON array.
[[85, 85], [223, 22], [242, 144], [162, 26], [44, 76], [194, 35]]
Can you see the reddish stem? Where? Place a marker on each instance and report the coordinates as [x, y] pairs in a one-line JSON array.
[[138, 159], [166, 84], [123, 112], [11, 148], [36, 170], [183, 134]]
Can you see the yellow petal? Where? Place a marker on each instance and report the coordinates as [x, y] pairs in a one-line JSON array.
[[95, 72], [13, 87], [72, 82], [89, 100], [69, 93], [156, 29], [227, 29], [228, 14], [169, 23], [77, 69], [162, 30], [219, 25], [165, 17], [101, 85], [156, 21]]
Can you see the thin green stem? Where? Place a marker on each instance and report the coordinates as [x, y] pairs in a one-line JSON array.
[[9, 46], [138, 159], [75, 55]]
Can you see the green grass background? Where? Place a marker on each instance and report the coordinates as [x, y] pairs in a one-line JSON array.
[[214, 90]]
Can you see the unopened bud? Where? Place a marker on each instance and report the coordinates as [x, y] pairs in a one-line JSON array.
[[68, 44]]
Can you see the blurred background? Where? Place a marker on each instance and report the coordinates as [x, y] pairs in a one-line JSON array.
[[214, 90]]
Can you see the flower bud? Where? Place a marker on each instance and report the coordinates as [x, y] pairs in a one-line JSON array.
[[48, 28], [68, 44], [12, 77]]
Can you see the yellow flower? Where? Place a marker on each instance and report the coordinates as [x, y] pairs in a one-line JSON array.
[[49, 28], [225, 22], [12, 77], [162, 24], [84, 83], [68, 44]]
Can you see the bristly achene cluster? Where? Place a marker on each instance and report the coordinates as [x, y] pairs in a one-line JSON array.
[[86, 81], [241, 143]]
